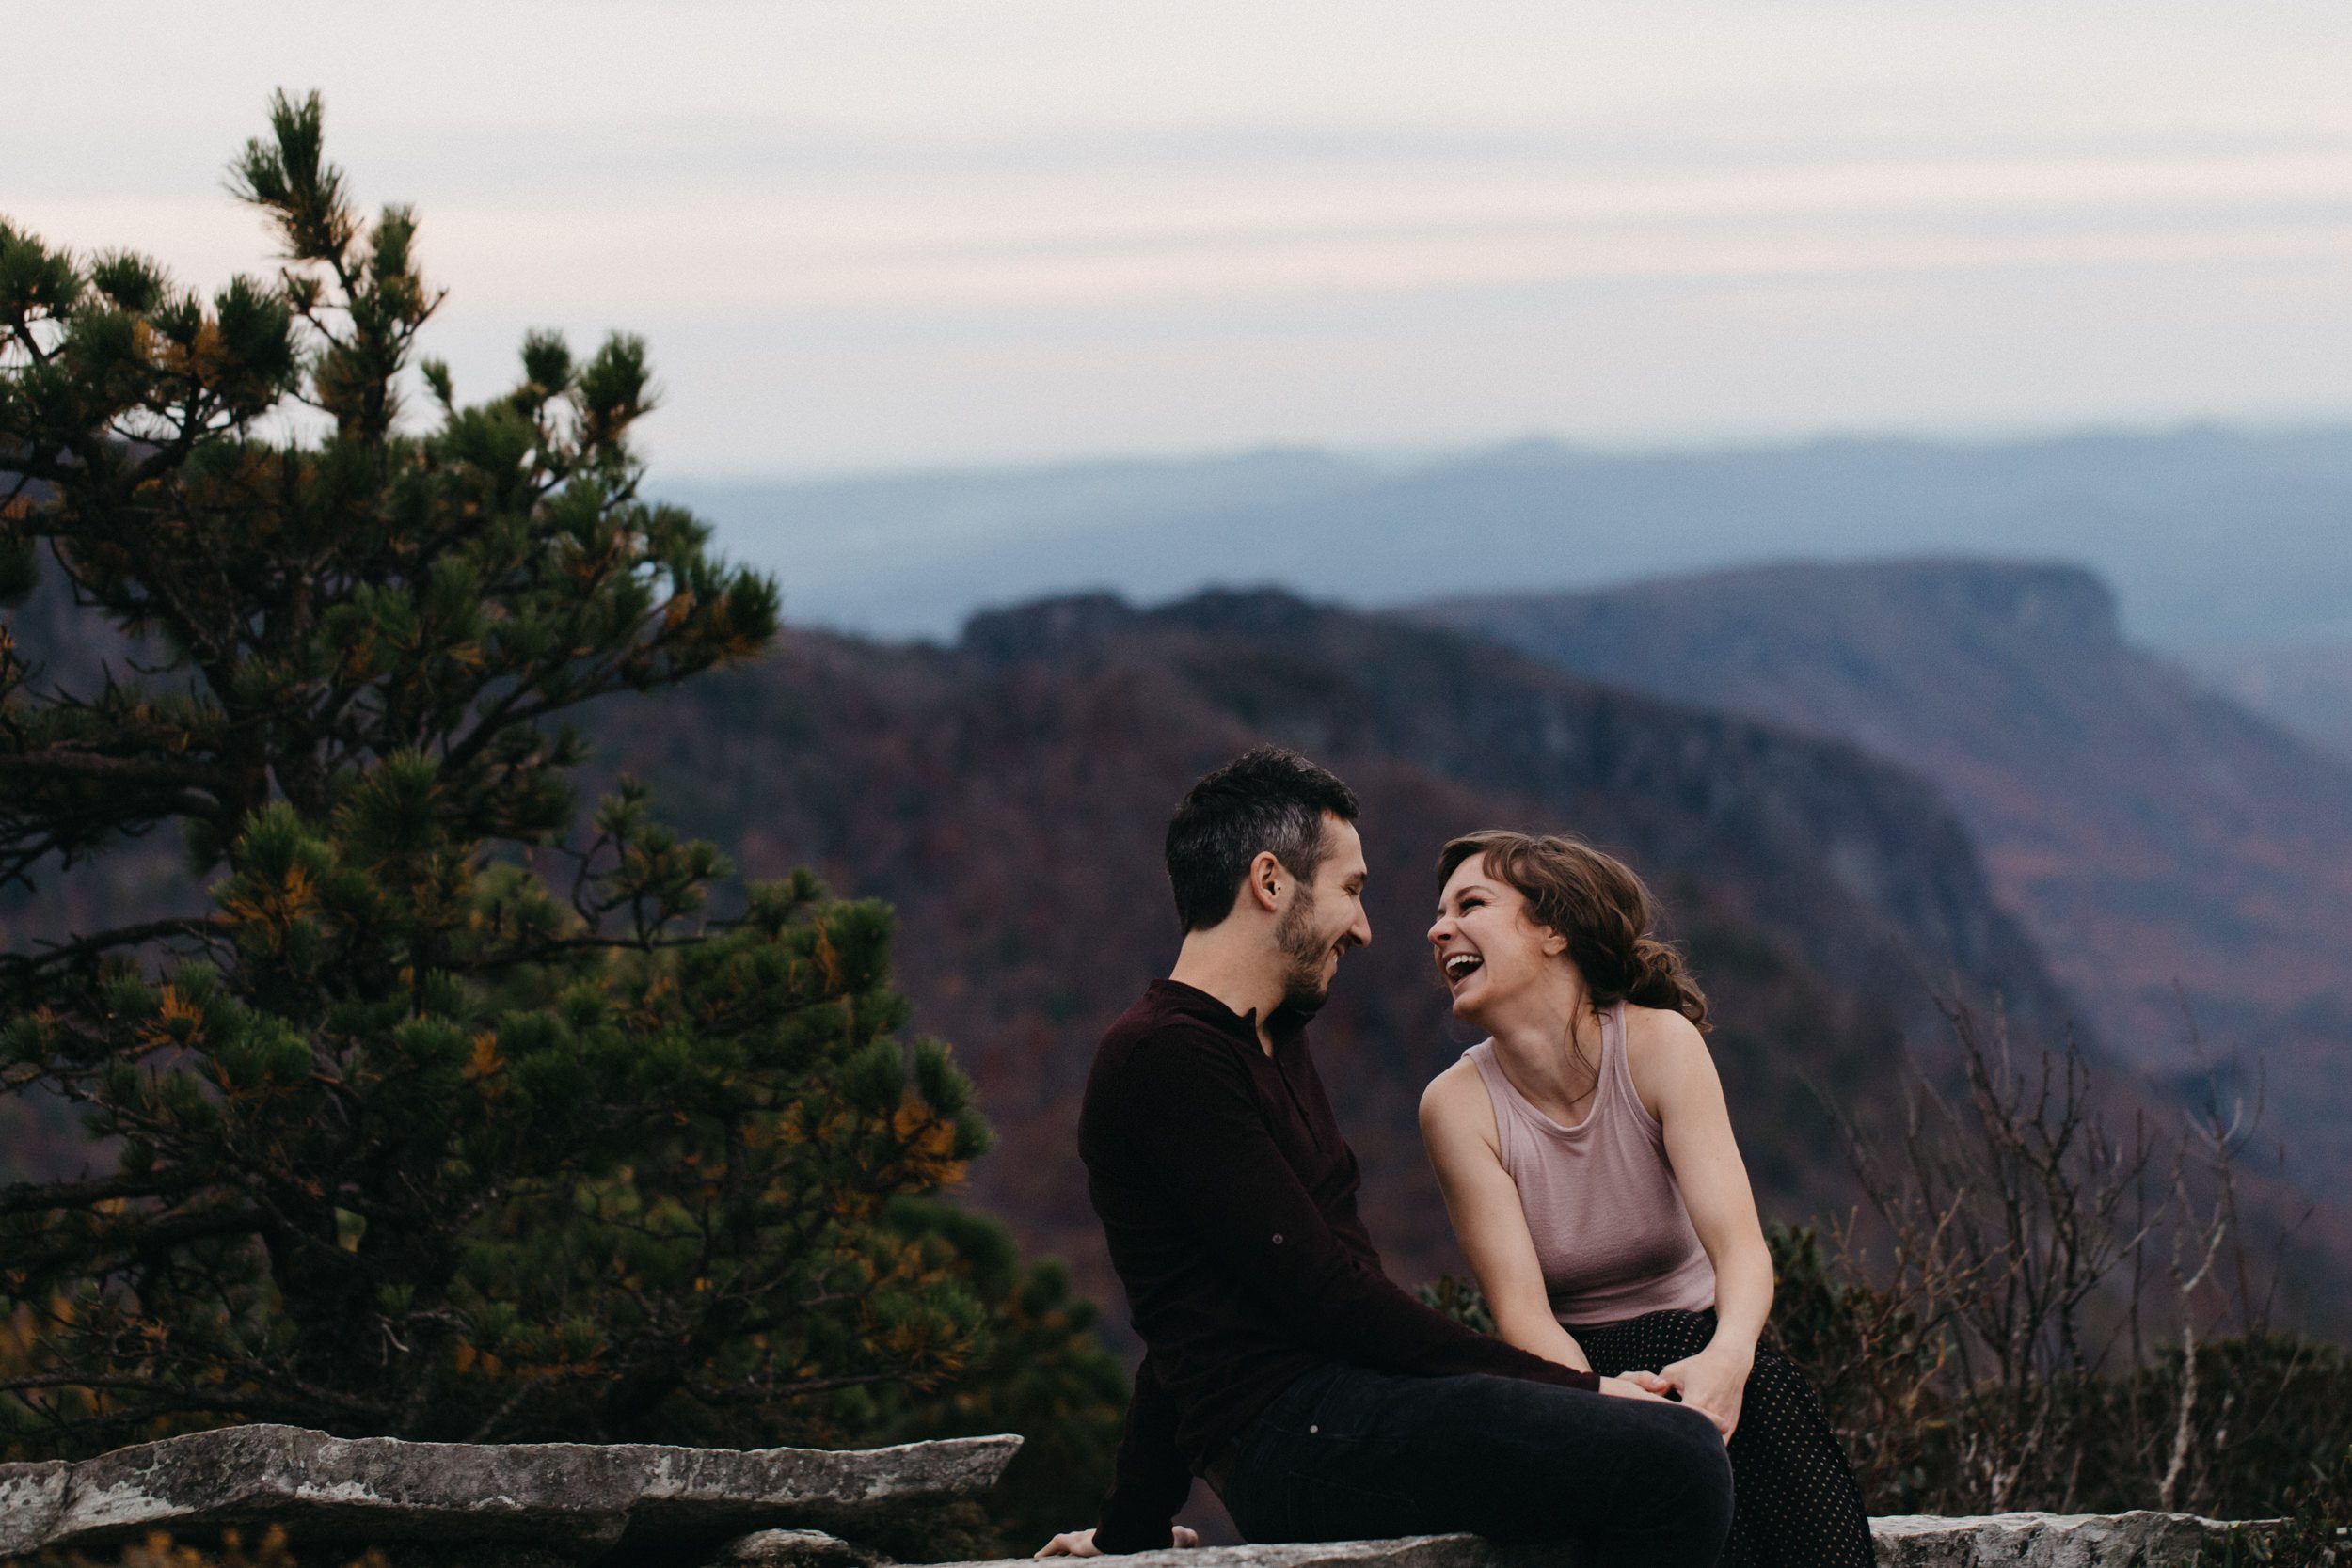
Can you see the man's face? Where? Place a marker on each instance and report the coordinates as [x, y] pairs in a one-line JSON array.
[[1324, 919]]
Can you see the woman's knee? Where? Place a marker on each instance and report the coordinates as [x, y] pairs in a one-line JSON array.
[[1776, 1383]]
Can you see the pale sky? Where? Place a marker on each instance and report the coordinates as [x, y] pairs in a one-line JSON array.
[[863, 234]]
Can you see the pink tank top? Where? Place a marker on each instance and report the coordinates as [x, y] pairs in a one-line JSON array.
[[1610, 1231]]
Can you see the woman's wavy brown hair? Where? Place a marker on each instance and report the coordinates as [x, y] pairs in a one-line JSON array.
[[1601, 907]]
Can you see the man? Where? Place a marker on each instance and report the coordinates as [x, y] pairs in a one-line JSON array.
[[1320, 1401]]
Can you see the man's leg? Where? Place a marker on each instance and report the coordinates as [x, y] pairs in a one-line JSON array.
[[1346, 1454]]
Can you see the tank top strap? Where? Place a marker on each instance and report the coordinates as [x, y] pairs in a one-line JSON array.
[[1510, 1137], [1617, 1070]]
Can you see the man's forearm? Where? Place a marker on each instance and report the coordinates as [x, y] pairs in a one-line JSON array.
[[1151, 1478]]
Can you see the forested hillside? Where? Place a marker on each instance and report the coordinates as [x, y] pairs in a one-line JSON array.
[[1007, 797]]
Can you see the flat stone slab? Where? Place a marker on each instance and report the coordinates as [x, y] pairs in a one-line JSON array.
[[574, 1498], [2141, 1539], [1409, 1551], [2137, 1540]]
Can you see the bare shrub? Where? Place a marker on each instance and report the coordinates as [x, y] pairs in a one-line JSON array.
[[2034, 1308]]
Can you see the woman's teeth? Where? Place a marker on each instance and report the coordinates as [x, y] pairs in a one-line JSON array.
[[1461, 964]]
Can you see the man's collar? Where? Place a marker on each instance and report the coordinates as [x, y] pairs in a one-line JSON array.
[[1283, 1027]]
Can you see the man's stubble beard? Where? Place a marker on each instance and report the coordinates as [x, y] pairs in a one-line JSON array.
[[1304, 990]]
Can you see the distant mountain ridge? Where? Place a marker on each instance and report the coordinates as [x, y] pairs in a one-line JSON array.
[[2209, 535], [2150, 834]]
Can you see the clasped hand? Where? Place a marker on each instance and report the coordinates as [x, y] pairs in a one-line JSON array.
[[1714, 1382]]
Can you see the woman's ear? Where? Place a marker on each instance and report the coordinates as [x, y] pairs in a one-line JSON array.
[[1554, 944]]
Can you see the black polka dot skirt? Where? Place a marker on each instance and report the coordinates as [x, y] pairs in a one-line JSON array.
[[1795, 1504]]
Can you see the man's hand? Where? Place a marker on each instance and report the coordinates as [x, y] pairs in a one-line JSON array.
[[1080, 1543], [1714, 1382], [1635, 1386]]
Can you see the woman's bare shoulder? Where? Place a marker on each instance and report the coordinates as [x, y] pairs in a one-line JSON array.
[[1457, 1098], [1661, 1046], [1452, 1086], [1660, 1029]]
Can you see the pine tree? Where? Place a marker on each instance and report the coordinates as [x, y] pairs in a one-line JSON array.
[[443, 1117]]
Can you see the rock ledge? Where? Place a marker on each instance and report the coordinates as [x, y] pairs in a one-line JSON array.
[[2137, 1540], [576, 1498]]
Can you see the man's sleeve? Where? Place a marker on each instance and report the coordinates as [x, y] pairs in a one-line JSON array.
[[1152, 1480], [1207, 1139]]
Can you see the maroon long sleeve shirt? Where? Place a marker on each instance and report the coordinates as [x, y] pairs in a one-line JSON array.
[[1228, 1197]]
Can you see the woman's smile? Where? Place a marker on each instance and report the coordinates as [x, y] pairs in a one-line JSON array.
[[1458, 966]]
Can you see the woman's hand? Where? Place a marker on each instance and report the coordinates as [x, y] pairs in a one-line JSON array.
[[1080, 1543], [1714, 1382]]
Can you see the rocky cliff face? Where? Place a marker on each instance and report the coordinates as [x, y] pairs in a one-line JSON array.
[[2159, 843], [1008, 795]]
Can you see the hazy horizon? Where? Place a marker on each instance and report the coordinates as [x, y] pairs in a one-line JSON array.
[[934, 233], [2207, 534], [1400, 453]]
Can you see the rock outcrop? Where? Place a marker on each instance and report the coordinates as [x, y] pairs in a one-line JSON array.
[[581, 1499], [2141, 1539], [2137, 1539], [780, 1508]]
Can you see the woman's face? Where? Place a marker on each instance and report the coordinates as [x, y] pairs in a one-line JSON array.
[[1488, 948]]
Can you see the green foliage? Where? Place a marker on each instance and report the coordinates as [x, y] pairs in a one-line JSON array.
[[441, 1122], [272, 1551], [2272, 1414], [1042, 1372], [2270, 1411], [275, 1549], [1459, 1299], [1873, 1362], [2316, 1533]]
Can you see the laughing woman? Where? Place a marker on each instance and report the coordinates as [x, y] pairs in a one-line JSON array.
[[1588, 1165]]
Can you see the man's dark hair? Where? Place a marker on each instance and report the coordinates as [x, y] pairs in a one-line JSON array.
[[1270, 798]]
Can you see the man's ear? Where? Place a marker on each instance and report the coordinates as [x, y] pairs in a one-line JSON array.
[[1266, 879]]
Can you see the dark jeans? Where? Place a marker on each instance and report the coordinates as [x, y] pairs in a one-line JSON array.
[[1346, 1454]]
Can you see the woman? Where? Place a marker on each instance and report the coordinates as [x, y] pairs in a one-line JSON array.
[[1588, 1164]]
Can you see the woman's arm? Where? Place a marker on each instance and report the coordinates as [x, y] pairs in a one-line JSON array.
[[1458, 1127], [1675, 1078]]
